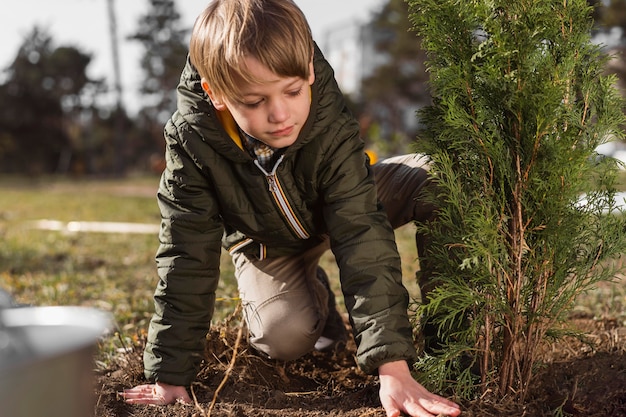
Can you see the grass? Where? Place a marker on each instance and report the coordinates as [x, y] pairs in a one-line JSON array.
[[113, 272], [116, 272]]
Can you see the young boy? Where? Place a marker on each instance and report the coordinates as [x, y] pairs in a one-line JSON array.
[[264, 158]]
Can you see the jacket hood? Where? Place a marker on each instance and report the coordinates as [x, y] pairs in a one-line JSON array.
[[195, 107]]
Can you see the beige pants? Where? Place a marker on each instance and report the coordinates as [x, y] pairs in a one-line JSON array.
[[285, 305]]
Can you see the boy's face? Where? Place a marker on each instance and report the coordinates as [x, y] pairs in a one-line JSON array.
[[273, 110]]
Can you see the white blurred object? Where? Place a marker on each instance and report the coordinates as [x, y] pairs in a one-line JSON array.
[[614, 149], [100, 227], [47, 360]]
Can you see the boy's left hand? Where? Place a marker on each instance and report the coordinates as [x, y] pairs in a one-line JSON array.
[[400, 392], [156, 394]]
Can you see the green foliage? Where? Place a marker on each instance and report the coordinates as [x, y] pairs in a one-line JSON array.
[[520, 103], [165, 51], [396, 85], [45, 86], [401, 77]]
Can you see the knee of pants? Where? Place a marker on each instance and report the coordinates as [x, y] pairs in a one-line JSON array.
[[281, 331]]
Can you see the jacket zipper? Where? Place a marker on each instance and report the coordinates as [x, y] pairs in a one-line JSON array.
[[281, 200]]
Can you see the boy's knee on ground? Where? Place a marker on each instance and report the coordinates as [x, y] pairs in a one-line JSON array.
[[283, 329]]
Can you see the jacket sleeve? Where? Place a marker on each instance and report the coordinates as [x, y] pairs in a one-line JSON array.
[[363, 243], [188, 267]]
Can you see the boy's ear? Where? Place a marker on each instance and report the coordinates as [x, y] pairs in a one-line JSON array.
[[217, 103]]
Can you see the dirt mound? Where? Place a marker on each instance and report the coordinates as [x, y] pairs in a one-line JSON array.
[[581, 378]]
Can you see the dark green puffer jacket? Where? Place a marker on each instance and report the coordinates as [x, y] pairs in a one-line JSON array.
[[211, 192]]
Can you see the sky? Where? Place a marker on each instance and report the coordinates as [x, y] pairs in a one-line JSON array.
[[84, 24]]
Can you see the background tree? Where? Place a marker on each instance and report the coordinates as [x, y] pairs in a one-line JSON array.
[[165, 51], [396, 88], [44, 93], [610, 14], [520, 103], [610, 28]]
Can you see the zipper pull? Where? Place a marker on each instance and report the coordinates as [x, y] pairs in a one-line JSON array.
[[271, 181]]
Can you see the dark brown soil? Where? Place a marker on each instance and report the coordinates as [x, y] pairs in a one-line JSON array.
[[580, 378]]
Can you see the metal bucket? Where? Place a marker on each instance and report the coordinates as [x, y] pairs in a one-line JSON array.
[[46, 360]]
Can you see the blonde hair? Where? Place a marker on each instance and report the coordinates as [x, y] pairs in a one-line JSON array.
[[275, 32]]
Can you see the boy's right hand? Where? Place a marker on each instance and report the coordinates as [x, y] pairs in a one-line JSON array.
[[156, 394]]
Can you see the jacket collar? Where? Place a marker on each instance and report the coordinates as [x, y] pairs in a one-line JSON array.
[[218, 129]]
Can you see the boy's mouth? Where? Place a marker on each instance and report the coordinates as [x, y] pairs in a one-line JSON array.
[[283, 132]]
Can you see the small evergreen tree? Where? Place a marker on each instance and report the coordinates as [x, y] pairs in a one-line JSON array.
[[520, 103]]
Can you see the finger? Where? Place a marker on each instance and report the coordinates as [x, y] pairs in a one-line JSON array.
[[143, 395], [392, 412], [146, 399], [135, 395], [390, 407], [431, 409], [142, 398], [442, 405], [414, 410], [137, 392]]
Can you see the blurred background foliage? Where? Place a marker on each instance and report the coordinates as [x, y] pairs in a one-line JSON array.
[[54, 120]]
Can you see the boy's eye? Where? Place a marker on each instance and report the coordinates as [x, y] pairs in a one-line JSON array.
[[295, 93], [253, 104]]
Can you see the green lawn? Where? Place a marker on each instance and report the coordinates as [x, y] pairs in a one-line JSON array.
[[116, 272]]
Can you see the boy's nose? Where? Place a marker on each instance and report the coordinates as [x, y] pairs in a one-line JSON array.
[[279, 111]]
